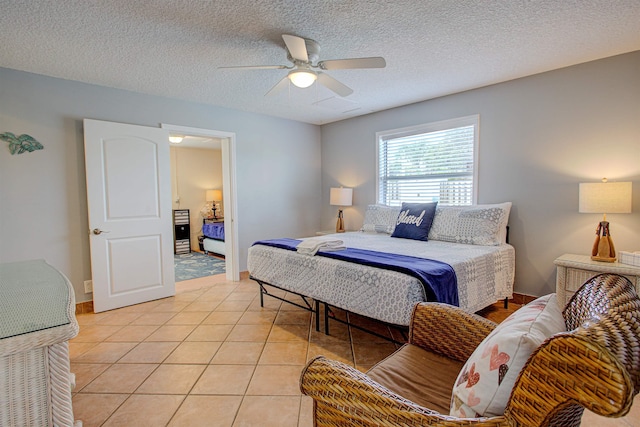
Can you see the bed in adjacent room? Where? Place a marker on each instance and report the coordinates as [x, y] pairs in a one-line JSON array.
[[213, 237], [469, 241]]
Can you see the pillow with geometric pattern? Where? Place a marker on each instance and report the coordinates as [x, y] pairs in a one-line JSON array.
[[484, 225], [380, 219], [484, 384]]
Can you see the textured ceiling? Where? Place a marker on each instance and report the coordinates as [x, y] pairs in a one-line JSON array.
[[432, 48]]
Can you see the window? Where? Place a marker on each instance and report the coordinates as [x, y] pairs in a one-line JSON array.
[[428, 163]]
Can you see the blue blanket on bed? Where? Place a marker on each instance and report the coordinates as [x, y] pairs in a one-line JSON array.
[[438, 278], [214, 230]]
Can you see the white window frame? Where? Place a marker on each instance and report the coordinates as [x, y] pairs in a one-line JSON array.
[[473, 120]]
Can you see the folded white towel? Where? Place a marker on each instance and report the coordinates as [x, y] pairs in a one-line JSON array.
[[314, 244]]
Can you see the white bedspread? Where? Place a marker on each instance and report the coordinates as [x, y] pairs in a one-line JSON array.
[[215, 246], [485, 274]]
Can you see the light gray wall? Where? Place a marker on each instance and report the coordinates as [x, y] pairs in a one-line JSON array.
[[539, 137], [43, 204]]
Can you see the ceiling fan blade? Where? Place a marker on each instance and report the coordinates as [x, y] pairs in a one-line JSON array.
[[346, 64], [334, 85], [256, 67], [297, 47], [283, 83]]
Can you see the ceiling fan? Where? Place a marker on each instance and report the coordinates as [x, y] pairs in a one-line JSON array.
[[304, 54]]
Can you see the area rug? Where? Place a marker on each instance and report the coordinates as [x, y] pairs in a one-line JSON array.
[[194, 265]]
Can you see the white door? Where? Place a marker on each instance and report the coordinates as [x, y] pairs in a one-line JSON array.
[[130, 216]]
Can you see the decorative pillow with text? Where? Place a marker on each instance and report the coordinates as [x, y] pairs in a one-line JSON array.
[[414, 221]]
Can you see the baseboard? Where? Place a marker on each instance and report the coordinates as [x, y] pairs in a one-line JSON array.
[[521, 299], [87, 306], [84, 307]]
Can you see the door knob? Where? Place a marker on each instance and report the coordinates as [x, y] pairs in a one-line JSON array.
[[97, 231]]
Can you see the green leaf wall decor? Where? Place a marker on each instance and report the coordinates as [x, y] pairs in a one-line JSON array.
[[20, 144]]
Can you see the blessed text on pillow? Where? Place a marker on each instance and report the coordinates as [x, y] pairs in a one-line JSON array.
[[414, 221]]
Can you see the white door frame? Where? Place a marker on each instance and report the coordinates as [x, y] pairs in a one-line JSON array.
[[228, 190]]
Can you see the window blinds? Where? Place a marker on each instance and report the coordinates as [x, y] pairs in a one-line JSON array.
[[427, 167]]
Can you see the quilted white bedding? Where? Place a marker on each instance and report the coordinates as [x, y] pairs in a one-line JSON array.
[[215, 246], [485, 274]]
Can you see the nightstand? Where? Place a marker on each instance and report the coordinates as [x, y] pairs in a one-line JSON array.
[[574, 270], [218, 219]]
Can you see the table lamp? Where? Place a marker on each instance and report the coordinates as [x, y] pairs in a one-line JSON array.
[[340, 197], [212, 196], [604, 197]]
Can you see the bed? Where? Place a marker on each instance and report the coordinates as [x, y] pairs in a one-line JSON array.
[[471, 240], [213, 237]]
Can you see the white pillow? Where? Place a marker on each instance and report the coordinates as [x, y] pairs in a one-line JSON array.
[[484, 225], [380, 218], [484, 384]]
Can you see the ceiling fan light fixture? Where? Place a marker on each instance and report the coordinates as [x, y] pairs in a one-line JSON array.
[[302, 78]]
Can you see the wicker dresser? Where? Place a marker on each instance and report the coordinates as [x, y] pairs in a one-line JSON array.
[[574, 270], [37, 318]]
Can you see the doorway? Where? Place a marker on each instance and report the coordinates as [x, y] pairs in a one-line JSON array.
[[227, 146]]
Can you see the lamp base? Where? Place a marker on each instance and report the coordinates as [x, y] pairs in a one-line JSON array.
[[340, 223], [603, 249]]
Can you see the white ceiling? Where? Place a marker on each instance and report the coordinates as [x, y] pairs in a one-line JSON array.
[[432, 47]]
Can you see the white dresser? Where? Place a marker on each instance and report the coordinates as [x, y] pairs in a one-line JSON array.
[[37, 318]]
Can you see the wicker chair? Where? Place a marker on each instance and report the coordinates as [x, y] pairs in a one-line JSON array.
[[596, 365]]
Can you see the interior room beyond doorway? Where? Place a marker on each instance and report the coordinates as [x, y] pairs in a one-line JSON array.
[[196, 193]]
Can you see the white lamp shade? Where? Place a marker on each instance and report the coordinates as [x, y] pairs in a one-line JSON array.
[[302, 78], [213, 195], [341, 196], [605, 197]]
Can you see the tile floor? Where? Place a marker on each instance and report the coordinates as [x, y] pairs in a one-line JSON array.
[[211, 356]]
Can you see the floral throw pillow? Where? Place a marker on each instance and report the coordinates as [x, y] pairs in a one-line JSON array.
[[484, 384]]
